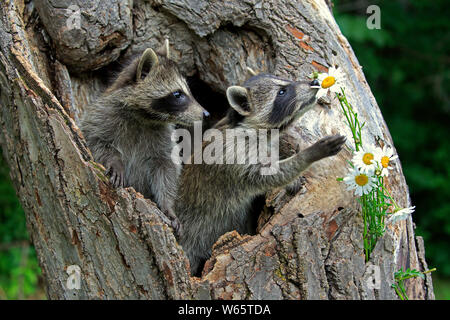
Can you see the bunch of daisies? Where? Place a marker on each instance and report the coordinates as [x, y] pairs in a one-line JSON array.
[[368, 164], [368, 167]]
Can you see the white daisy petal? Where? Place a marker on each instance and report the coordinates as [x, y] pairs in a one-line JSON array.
[[384, 157], [321, 93], [359, 181], [332, 80], [322, 76], [364, 159], [401, 215]]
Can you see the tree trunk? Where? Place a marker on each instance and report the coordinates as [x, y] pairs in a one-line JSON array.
[[311, 247]]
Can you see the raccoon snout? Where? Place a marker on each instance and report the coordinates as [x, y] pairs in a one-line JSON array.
[[315, 84], [205, 114]]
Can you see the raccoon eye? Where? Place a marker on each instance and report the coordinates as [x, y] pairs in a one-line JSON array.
[[282, 92], [178, 94]]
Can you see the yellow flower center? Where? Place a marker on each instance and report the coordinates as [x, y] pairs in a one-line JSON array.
[[328, 82], [385, 161], [361, 180], [367, 158]]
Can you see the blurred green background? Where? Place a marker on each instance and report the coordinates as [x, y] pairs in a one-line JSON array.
[[406, 63]]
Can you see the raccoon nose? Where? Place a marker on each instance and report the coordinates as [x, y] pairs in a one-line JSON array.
[[205, 114], [315, 84]]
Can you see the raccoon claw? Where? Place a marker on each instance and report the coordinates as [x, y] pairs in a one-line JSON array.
[[328, 146], [177, 227], [116, 172], [173, 220], [293, 188], [116, 180]]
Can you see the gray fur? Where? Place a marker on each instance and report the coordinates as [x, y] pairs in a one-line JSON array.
[[132, 140], [214, 199]]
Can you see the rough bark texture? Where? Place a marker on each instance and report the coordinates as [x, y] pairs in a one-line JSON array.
[[310, 248]]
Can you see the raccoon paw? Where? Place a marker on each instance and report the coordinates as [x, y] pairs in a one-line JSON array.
[[294, 187], [327, 147], [177, 227], [173, 220], [116, 171]]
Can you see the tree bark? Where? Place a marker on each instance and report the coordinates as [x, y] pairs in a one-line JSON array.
[[310, 248]]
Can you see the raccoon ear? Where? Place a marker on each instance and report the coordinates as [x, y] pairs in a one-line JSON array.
[[164, 50], [251, 71], [146, 62], [238, 99]]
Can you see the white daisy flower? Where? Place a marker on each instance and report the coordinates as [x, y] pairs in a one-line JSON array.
[[359, 181], [383, 157], [401, 214], [365, 160], [333, 81]]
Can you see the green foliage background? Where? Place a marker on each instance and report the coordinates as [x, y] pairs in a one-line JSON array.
[[406, 63], [19, 269]]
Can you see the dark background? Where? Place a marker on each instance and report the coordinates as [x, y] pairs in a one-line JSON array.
[[406, 63]]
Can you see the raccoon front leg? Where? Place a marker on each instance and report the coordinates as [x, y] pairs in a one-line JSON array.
[[289, 147], [111, 158], [163, 187], [116, 170], [290, 168], [167, 208], [294, 187]]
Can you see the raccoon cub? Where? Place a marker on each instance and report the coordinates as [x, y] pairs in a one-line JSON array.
[[129, 128], [216, 198]]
